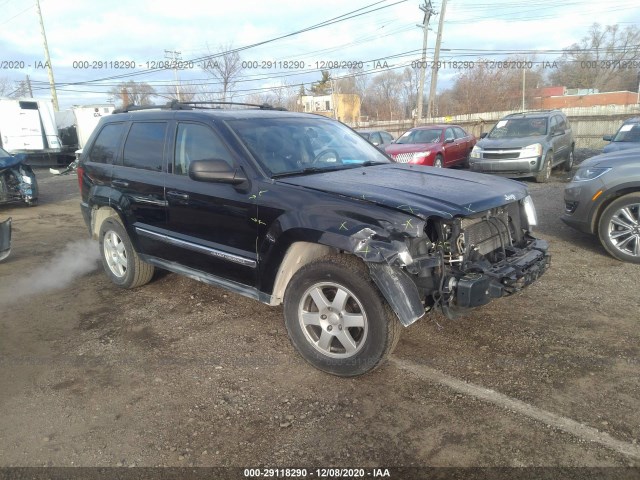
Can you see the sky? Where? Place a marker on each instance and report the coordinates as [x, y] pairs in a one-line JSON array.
[[136, 34]]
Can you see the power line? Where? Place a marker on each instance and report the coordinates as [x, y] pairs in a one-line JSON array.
[[341, 18]]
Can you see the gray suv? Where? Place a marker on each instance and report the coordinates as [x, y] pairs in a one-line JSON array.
[[526, 144], [603, 198]]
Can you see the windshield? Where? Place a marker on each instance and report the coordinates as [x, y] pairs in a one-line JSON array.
[[293, 144], [628, 133], [421, 136], [519, 127], [364, 135]]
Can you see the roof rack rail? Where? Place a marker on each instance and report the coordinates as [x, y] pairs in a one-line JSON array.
[[176, 105]]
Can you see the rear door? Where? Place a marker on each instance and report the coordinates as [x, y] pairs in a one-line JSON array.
[[139, 177], [451, 150], [213, 225]]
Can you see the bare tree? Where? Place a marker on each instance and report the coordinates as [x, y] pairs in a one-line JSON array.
[[382, 96], [13, 89], [132, 93], [606, 59], [225, 66], [188, 91], [486, 89]]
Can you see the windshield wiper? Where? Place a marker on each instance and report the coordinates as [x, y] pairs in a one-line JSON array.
[[368, 163], [307, 171]]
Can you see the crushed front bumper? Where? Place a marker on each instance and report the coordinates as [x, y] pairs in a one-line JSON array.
[[504, 278]]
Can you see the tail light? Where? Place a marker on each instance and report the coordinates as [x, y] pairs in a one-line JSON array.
[[80, 172]]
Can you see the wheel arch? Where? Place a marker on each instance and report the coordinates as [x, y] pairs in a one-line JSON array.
[[611, 196]]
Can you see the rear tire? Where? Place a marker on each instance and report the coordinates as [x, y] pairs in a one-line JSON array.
[[120, 260], [568, 163], [337, 318]]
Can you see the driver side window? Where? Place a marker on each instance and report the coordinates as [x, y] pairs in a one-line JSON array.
[[197, 142]]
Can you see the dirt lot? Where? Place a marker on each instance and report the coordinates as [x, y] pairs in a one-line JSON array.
[[178, 373]]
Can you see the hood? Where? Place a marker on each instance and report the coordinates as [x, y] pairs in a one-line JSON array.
[[10, 162], [422, 191], [615, 158], [510, 142], [617, 146], [396, 148]]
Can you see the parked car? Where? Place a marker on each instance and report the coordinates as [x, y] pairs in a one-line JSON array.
[[379, 138], [627, 136], [603, 199], [5, 238], [526, 144], [17, 180], [433, 145], [347, 240]]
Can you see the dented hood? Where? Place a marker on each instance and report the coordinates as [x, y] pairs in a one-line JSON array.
[[422, 191]]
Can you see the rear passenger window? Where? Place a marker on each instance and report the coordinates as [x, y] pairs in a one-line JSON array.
[[197, 142], [144, 147], [459, 132], [448, 134], [105, 148]]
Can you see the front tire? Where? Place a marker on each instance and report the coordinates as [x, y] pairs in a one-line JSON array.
[[619, 228], [120, 260], [336, 317], [545, 172], [437, 163]]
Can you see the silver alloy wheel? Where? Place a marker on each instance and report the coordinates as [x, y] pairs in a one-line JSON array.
[[437, 163], [115, 253], [624, 229], [548, 167], [333, 320], [570, 161]]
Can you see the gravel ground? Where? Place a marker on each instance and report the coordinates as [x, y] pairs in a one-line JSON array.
[[178, 373]]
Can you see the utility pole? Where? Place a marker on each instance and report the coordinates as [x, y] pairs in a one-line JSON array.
[[29, 86], [428, 11], [523, 80], [436, 59], [174, 56], [52, 83]]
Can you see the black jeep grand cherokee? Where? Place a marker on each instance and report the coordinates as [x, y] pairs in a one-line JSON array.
[[299, 209]]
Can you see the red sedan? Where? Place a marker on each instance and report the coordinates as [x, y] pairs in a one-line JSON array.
[[433, 145]]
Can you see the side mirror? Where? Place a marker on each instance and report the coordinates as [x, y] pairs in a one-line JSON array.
[[448, 140], [483, 134], [608, 138], [217, 171]]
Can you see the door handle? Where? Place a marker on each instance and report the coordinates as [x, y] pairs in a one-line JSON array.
[[178, 195], [119, 183]]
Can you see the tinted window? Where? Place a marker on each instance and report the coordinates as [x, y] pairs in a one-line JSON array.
[[553, 124], [448, 134], [386, 137], [105, 148], [460, 133], [375, 138], [561, 123], [197, 142], [144, 147]]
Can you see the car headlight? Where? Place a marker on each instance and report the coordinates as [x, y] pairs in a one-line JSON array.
[[589, 173], [419, 155], [534, 150], [530, 211], [26, 179], [476, 151]]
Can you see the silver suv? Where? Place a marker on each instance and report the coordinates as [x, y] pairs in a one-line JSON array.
[[528, 144]]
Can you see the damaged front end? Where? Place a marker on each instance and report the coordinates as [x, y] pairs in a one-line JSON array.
[[17, 181], [454, 265]]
